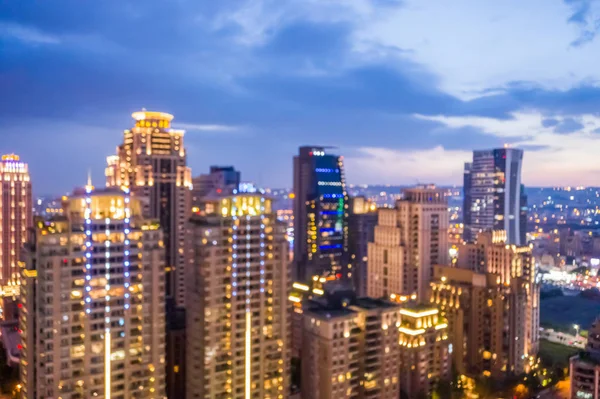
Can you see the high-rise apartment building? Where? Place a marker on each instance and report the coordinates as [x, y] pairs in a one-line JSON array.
[[491, 254], [238, 313], [93, 301], [151, 162], [16, 217], [219, 177], [493, 193], [585, 367], [409, 240], [492, 324], [320, 214], [361, 231], [351, 351], [425, 354]]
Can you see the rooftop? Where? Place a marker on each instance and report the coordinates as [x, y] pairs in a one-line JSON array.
[[329, 313]]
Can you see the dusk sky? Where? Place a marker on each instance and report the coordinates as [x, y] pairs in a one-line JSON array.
[[405, 89]]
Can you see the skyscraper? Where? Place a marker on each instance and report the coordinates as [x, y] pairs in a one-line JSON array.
[[93, 301], [16, 217], [410, 240], [490, 321], [151, 161], [238, 315], [492, 196], [320, 214]]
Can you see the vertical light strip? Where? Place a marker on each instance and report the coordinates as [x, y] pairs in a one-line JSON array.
[[127, 248], [248, 314], [88, 250], [107, 321], [248, 355], [107, 372]]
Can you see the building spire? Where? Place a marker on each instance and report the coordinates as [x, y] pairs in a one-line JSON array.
[[89, 186]]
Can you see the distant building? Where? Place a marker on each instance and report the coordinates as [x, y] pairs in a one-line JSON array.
[[585, 368], [219, 177], [492, 324], [351, 351], [409, 240], [93, 301], [238, 315], [16, 216], [523, 217], [425, 353], [320, 214], [493, 194], [361, 231], [491, 254]]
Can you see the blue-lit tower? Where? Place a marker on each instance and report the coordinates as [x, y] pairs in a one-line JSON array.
[[320, 214]]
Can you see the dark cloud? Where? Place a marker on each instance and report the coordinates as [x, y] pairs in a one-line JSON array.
[[550, 122], [569, 125]]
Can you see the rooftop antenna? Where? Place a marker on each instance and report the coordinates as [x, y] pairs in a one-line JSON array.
[[89, 186]]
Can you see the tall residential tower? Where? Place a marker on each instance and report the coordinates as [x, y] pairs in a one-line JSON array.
[[93, 302], [320, 214], [238, 313], [151, 161], [410, 240], [493, 194], [15, 218]]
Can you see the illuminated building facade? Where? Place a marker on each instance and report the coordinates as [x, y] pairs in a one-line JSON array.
[[585, 367], [361, 228], [493, 194], [16, 216], [151, 162], [409, 240], [93, 301], [490, 253], [425, 353], [238, 313], [351, 351], [320, 214], [489, 321]]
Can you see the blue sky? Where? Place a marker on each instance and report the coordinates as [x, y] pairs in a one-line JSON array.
[[405, 88]]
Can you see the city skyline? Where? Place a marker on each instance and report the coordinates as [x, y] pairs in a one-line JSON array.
[[381, 79]]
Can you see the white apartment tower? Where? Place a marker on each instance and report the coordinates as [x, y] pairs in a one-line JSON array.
[[151, 162], [92, 295], [237, 313], [410, 240]]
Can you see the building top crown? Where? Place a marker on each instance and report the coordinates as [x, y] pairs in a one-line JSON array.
[[10, 157], [151, 116]]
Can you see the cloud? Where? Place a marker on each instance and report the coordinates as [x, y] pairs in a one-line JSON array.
[[26, 34], [432, 165], [585, 16], [206, 127], [553, 160], [408, 80], [473, 46], [568, 125]]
